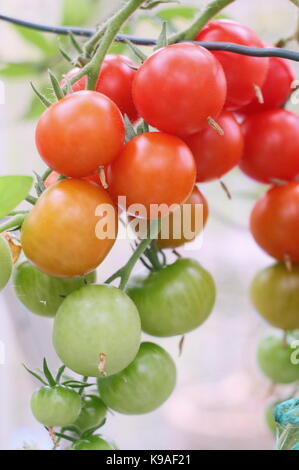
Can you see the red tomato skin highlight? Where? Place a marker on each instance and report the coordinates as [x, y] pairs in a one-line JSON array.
[[216, 154], [79, 133], [241, 72], [178, 87], [271, 143]]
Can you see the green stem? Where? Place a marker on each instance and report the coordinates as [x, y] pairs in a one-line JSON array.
[[31, 199], [211, 10], [125, 272], [14, 223], [113, 27], [46, 174]]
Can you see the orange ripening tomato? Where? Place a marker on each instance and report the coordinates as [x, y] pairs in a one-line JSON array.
[[198, 214], [153, 169], [61, 235], [54, 176], [217, 154], [242, 72], [79, 133], [274, 222], [115, 81]]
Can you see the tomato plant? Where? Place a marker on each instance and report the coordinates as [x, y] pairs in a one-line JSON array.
[[194, 88], [271, 142], [274, 359], [216, 154], [79, 133], [242, 72], [174, 300], [115, 81], [92, 443], [144, 385], [92, 414], [5, 262], [59, 234], [174, 226], [274, 222], [43, 294], [56, 406], [96, 320], [275, 295], [153, 168]]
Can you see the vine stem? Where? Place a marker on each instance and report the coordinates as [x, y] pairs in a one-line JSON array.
[[15, 222], [211, 10], [113, 27], [125, 272]]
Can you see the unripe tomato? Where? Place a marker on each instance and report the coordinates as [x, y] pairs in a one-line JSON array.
[[174, 300], [43, 294], [61, 233], [96, 320], [5, 262], [242, 72], [115, 81], [274, 359], [153, 168], [216, 154], [189, 222], [93, 442], [92, 414], [178, 87], [274, 292], [271, 141], [274, 222], [276, 88], [144, 385], [79, 133], [56, 406]]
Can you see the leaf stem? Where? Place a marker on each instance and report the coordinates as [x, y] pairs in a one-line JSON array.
[[13, 223]]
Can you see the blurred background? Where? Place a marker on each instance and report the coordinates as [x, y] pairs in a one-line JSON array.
[[221, 395]]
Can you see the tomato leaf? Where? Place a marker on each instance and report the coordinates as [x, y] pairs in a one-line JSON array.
[[130, 131], [78, 12], [20, 69], [185, 12], [162, 39], [37, 39], [38, 377], [48, 374], [59, 373], [13, 190]]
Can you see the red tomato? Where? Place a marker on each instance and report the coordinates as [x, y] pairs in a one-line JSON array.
[[276, 88], [61, 234], [53, 178], [214, 154], [115, 81], [242, 72], [153, 168], [271, 146], [79, 133], [178, 87], [274, 222]]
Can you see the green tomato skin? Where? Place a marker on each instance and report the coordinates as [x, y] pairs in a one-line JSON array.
[[43, 294], [144, 385], [274, 293], [5, 263], [56, 406], [92, 414], [93, 320], [92, 443], [274, 360], [175, 300]]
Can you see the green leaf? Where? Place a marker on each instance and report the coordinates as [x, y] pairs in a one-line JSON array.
[[136, 51], [39, 185], [152, 4], [162, 39], [121, 47], [13, 190], [78, 12], [48, 374], [130, 131], [20, 69], [38, 377], [59, 373], [37, 39], [185, 12]]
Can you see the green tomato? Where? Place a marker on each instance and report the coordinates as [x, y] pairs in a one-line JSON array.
[[92, 414], [92, 443], [274, 293], [174, 300], [43, 294], [5, 262], [56, 406], [93, 320], [274, 359], [144, 385]]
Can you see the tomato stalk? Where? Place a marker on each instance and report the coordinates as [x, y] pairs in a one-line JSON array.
[[13, 223], [125, 272]]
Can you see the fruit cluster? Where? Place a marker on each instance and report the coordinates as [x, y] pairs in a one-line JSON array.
[[144, 137]]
